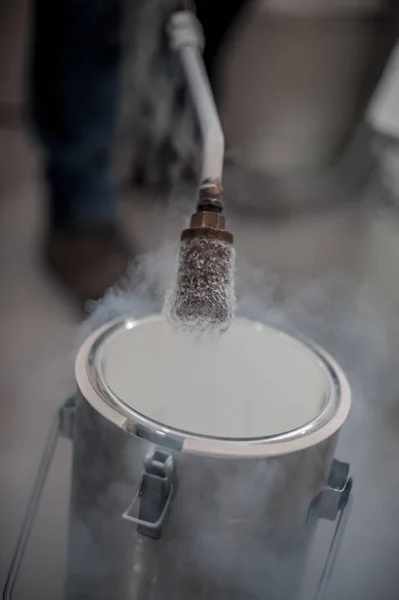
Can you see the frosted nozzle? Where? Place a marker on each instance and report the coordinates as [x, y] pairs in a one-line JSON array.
[[202, 298]]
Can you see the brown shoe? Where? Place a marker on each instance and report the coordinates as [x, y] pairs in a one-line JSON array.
[[87, 262]]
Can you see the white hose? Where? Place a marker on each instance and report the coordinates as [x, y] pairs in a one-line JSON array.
[[187, 40]]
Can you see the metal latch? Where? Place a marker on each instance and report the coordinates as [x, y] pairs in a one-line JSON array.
[[154, 495], [332, 503], [332, 499]]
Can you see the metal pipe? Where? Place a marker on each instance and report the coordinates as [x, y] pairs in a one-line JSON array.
[[187, 39]]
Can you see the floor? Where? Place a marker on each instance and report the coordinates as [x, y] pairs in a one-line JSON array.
[[332, 274]]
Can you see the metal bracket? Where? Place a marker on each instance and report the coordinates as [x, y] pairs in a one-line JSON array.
[[157, 437], [332, 499], [154, 495], [332, 503], [66, 415]]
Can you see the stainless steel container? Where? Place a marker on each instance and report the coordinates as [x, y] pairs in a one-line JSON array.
[[199, 467]]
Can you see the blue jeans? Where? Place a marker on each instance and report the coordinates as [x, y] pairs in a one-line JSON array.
[[76, 88]]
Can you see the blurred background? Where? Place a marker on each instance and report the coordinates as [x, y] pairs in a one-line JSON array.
[[99, 155]]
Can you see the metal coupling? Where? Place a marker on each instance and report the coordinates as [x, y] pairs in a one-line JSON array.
[[207, 219]]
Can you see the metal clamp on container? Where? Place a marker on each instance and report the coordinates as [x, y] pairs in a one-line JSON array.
[[154, 495]]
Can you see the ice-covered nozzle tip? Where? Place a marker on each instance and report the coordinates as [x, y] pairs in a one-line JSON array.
[[202, 298]]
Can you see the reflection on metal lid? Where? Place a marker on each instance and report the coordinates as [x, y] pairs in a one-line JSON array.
[[254, 383]]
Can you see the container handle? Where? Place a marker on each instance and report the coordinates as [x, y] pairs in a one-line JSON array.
[[335, 545], [62, 426], [334, 503]]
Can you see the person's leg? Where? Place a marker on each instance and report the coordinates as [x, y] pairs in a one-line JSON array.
[[76, 72], [75, 98]]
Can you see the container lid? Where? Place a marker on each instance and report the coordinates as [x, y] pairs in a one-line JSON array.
[[253, 385]]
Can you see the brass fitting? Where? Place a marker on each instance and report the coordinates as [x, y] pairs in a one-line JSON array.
[[209, 211]]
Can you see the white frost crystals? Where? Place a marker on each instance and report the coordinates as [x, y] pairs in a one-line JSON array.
[[202, 298]]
